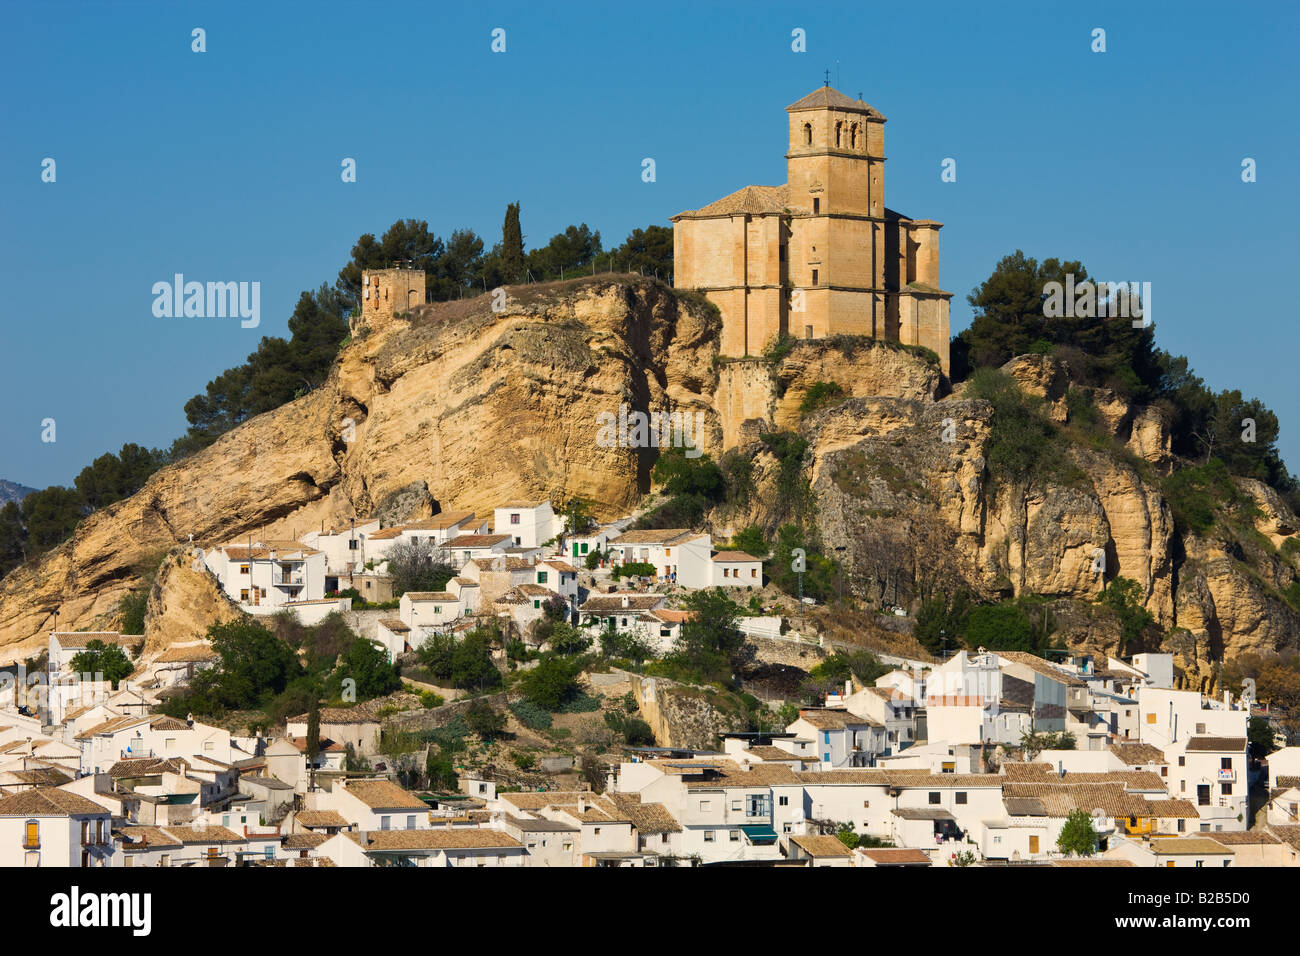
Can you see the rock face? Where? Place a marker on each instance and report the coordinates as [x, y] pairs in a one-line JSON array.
[[914, 474], [681, 715], [184, 601], [457, 406], [460, 406]]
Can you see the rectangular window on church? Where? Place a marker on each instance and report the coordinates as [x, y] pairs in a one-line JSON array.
[[817, 206], [814, 277]]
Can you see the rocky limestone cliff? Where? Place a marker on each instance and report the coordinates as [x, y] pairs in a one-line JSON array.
[[185, 600], [473, 405], [457, 405]]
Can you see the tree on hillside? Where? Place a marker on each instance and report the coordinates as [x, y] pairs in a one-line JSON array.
[[1124, 597], [368, 666], [50, 516], [111, 478], [648, 251], [1008, 308], [107, 660], [567, 255], [710, 643], [418, 566], [1077, 836], [512, 245], [13, 537], [407, 243]]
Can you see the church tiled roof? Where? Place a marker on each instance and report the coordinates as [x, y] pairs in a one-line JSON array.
[[824, 97], [749, 199]]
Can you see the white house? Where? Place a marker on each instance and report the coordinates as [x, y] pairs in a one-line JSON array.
[[678, 555], [843, 739], [735, 569], [425, 612], [965, 702], [349, 726], [529, 524], [269, 574], [1204, 741], [344, 547], [374, 805], [444, 527], [150, 736], [468, 547], [46, 827]]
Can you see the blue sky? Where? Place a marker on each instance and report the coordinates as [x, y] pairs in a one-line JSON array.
[[225, 165]]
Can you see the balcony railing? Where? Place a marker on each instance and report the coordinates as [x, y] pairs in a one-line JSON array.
[[1227, 776]]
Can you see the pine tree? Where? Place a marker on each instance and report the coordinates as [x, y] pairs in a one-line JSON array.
[[512, 244]]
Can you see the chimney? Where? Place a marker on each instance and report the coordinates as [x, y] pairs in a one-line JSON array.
[[582, 804], [625, 600]]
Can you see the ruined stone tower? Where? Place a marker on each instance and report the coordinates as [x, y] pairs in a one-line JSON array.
[[386, 292]]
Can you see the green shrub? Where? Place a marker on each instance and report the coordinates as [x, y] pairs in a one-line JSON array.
[[530, 715], [819, 394]]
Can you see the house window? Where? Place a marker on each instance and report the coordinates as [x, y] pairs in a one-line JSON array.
[[708, 836], [817, 207], [537, 604], [584, 548], [567, 845], [704, 806], [385, 823], [169, 741], [782, 801], [1182, 826], [814, 282], [1182, 761], [514, 519], [243, 569], [934, 797], [866, 804], [1225, 763], [785, 828], [753, 572], [1200, 728], [734, 836], [735, 805], [243, 595], [352, 544], [961, 797], [1227, 789], [1203, 795], [85, 832], [1164, 771], [32, 835], [410, 822], [541, 577]]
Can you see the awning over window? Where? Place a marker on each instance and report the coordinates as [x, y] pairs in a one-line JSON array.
[[760, 835]]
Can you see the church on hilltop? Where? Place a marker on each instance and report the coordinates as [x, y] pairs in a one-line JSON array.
[[820, 255]]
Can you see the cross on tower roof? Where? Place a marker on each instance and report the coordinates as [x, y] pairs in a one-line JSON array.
[[828, 77]]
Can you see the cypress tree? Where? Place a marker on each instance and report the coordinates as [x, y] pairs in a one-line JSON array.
[[512, 245]]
